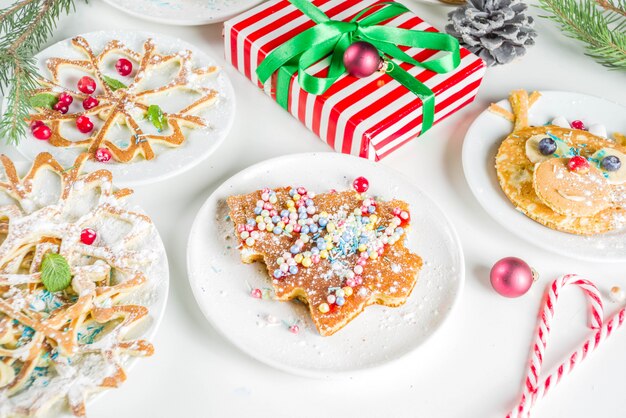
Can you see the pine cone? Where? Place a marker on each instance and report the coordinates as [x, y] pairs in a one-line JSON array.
[[495, 30]]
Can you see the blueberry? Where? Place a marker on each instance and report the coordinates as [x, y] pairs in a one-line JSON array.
[[611, 163], [547, 146]]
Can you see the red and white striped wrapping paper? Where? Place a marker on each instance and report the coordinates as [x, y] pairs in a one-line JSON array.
[[369, 117]]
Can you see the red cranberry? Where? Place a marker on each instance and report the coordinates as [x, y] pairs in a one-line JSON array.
[[87, 85], [103, 155], [361, 184], [578, 164], [42, 132], [294, 329], [88, 236], [90, 102], [35, 124], [60, 107], [84, 124], [256, 293], [124, 67], [578, 124], [66, 98]]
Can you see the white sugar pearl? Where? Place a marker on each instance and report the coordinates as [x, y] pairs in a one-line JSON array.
[[561, 122], [598, 130]]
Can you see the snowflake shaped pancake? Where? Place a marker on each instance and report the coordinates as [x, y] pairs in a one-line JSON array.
[[62, 346], [125, 105]]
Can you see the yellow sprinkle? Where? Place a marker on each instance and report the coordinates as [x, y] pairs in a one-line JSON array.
[[298, 258], [290, 203], [373, 218], [329, 246], [281, 224], [324, 254], [362, 247], [259, 219], [369, 227], [327, 237], [306, 262], [373, 255], [269, 228], [330, 227], [323, 307], [291, 209], [347, 291], [324, 214], [296, 197]]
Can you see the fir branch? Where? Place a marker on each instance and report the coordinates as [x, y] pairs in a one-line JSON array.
[[607, 5], [601, 29], [24, 28]]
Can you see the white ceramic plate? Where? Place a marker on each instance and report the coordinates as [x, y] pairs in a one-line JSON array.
[[221, 282], [184, 12], [481, 145], [200, 143], [153, 295]]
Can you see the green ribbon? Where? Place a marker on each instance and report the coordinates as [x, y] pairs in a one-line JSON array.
[[332, 37]]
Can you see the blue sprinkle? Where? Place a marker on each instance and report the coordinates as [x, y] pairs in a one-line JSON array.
[[340, 301], [313, 228], [258, 210], [293, 269], [315, 250], [251, 222], [371, 209], [292, 192], [294, 249], [278, 230], [284, 213], [309, 202], [321, 243], [323, 222], [365, 219], [303, 216], [399, 230], [304, 230], [278, 273], [275, 219]]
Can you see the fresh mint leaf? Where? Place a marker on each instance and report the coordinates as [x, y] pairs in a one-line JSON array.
[[155, 115], [55, 272], [41, 100], [113, 83]]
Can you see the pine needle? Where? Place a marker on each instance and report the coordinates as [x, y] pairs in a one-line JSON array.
[[600, 24], [24, 27]]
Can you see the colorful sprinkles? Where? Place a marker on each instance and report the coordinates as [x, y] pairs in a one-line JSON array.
[[324, 236]]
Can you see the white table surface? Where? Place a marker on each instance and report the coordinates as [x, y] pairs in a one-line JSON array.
[[473, 368]]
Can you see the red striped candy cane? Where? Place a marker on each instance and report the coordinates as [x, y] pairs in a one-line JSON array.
[[533, 389]]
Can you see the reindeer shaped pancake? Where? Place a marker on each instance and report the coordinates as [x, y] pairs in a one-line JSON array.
[[567, 179]]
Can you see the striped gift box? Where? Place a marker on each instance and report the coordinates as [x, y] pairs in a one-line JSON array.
[[369, 117]]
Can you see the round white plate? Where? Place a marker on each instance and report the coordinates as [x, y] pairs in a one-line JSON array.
[[184, 12], [481, 145], [221, 282], [168, 162]]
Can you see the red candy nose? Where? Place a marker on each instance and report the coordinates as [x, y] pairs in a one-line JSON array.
[[578, 164]]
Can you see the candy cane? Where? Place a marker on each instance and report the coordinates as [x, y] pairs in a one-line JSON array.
[[533, 391]]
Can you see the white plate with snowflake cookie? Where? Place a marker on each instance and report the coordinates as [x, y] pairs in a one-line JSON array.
[[482, 141], [83, 325], [144, 106], [184, 12], [240, 300]]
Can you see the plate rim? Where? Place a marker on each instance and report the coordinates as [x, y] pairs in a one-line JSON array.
[[315, 373], [166, 175], [183, 22], [470, 180]]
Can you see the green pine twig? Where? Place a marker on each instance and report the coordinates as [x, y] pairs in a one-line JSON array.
[[24, 28], [600, 24]]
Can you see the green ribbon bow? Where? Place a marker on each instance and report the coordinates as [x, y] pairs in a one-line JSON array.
[[332, 37]]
